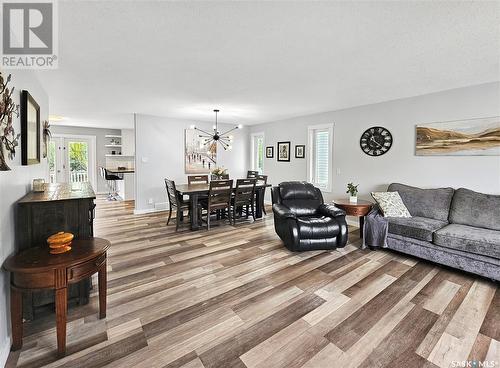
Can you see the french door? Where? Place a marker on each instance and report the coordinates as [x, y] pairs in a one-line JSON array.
[[72, 159]]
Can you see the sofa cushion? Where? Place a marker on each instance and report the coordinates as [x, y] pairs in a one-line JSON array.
[[317, 227], [469, 239], [475, 209], [420, 228], [430, 203], [390, 204]]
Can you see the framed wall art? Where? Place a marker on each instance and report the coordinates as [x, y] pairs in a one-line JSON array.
[[30, 130], [284, 151]]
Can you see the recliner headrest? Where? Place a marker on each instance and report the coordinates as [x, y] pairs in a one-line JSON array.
[[290, 190]]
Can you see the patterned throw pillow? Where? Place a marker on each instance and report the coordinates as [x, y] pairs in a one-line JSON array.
[[391, 204]]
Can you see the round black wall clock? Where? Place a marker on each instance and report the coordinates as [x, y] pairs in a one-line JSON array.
[[376, 141]]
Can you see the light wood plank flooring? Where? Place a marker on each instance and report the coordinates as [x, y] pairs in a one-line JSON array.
[[235, 297]]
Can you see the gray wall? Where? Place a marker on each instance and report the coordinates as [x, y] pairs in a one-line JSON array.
[[159, 154], [400, 164], [13, 185], [100, 143]]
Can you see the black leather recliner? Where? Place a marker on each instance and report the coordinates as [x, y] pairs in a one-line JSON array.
[[303, 221]]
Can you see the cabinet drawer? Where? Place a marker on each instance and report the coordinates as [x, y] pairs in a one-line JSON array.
[[86, 269]]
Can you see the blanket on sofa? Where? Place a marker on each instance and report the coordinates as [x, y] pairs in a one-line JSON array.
[[375, 229]]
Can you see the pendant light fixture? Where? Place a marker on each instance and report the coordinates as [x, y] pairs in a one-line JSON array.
[[211, 139]]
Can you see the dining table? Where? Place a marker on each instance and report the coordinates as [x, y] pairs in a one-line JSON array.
[[195, 191]]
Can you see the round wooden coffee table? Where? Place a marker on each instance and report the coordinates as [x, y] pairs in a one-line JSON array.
[[359, 209]]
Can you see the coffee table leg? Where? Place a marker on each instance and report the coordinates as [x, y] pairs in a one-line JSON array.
[[102, 279], [361, 225], [61, 312], [16, 316]]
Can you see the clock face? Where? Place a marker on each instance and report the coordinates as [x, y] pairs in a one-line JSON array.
[[376, 141]]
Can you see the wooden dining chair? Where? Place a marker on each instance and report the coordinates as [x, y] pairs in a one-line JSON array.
[[197, 179], [251, 174], [219, 198], [244, 198], [176, 203], [262, 180]]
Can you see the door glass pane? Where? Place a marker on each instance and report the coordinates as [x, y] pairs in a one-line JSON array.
[[321, 155], [52, 162], [78, 161]]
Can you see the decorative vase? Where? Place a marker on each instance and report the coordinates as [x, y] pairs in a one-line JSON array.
[[353, 199], [3, 164]]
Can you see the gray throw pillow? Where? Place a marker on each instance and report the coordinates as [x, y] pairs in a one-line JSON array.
[[391, 204]]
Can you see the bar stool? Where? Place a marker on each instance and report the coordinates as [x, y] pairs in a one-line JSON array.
[[111, 183]]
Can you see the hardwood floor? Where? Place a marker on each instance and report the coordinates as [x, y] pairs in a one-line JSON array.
[[235, 297]]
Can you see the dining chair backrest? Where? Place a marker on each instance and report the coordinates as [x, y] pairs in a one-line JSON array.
[[197, 179], [219, 194], [261, 179], [220, 177], [252, 174], [244, 192], [173, 198]]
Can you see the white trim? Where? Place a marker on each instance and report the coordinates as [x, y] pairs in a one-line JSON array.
[[252, 145], [310, 149], [92, 158], [4, 351]]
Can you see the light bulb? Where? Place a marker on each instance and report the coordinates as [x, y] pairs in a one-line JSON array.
[[214, 127], [192, 126], [231, 138], [240, 126], [229, 147]]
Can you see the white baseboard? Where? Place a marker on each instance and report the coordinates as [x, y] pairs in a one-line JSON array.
[[4, 351]]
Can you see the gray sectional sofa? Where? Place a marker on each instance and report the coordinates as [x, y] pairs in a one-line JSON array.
[[457, 228]]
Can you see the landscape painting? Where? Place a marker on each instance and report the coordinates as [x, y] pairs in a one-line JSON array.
[[473, 137], [199, 158]]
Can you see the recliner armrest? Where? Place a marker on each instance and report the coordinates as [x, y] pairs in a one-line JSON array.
[[330, 210], [283, 211]]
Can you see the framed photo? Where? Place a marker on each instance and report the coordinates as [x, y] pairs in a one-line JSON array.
[[30, 130], [300, 151], [269, 152], [284, 151]]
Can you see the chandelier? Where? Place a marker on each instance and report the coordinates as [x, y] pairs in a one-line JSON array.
[[211, 139]]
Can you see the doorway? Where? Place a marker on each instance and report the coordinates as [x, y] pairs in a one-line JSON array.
[[72, 159]]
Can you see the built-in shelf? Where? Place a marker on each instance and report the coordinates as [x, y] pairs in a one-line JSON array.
[[113, 145], [119, 155], [113, 136]]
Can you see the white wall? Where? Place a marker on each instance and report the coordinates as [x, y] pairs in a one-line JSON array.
[[13, 185], [400, 164], [160, 154], [101, 141]]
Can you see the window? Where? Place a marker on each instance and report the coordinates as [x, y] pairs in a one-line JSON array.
[[258, 152], [320, 156]]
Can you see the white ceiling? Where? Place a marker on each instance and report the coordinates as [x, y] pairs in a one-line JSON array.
[[262, 61]]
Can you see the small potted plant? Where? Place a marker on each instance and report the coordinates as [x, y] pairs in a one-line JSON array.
[[353, 192], [218, 173]]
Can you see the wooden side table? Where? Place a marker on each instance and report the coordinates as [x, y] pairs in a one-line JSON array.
[[35, 269], [359, 209]]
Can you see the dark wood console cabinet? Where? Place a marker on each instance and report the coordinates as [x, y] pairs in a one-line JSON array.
[[61, 207]]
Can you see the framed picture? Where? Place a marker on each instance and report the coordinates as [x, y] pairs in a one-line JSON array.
[[30, 130], [471, 137], [300, 151], [283, 151], [269, 152], [198, 157]]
